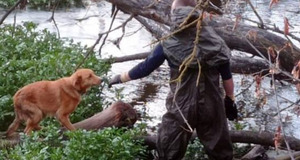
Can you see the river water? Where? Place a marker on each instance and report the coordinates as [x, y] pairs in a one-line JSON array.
[[148, 94]]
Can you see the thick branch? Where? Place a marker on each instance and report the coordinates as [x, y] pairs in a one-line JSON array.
[[119, 114], [251, 137], [235, 39]]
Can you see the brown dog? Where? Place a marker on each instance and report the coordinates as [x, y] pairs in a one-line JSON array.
[[51, 98]]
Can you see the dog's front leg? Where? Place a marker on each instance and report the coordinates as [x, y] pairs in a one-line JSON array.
[[64, 120]]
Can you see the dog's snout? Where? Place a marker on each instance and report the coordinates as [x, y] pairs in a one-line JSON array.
[[99, 80]]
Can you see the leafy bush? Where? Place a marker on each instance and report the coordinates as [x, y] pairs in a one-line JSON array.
[[195, 151], [44, 4], [27, 55], [49, 4], [7, 3], [107, 144]]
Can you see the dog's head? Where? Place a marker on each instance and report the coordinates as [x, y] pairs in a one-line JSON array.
[[83, 79]]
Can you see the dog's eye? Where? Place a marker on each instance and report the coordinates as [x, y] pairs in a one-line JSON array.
[[90, 76]]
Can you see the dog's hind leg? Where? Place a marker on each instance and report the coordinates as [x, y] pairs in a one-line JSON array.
[[34, 118], [37, 127], [13, 127]]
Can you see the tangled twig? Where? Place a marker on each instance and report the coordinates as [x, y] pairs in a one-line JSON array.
[[52, 18], [98, 40]]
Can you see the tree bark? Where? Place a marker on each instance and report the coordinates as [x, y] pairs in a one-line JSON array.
[[263, 138], [236, 39], [257, 152], [119, 114]]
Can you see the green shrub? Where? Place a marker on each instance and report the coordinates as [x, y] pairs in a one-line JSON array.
[[28, 55], [195, 151], [49, 4], [107, 144], [7, 3], [44, 4]]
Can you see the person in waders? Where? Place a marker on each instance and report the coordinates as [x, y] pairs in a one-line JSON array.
[[192, 103]]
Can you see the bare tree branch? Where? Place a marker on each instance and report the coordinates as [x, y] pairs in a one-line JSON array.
[[112, 22], [255, 12], [52, 18], [11, 9]]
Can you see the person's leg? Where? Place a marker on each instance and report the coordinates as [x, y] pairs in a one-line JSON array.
[[173, 138], [213, 133], [220, 148]]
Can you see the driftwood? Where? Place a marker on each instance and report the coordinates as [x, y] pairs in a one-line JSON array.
[[119, 114], [238, 39]]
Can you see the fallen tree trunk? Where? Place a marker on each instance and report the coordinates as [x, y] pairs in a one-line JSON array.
[[261, 138], [119, 114], [256, 152], [236, 39]]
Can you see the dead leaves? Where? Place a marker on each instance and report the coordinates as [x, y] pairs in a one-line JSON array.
[[258, 80], [296, 109], [23, 4], [286, 26], [237, 21], [271, 52], [209, 15], [295, 73], [272, 2], [277, 138], [274, 56], [260, 95], [252, 34]]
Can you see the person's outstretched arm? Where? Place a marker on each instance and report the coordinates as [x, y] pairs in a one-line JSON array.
[[143, 69]]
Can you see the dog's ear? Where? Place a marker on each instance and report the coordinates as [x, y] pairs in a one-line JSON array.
[[77, 82]]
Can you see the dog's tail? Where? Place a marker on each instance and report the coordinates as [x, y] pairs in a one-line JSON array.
[[14, 126]]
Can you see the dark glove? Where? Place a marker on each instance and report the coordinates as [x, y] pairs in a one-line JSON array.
[[230, 108], [115, 80]]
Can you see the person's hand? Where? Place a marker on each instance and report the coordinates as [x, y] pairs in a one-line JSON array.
[[230, 108], [115, 80]]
